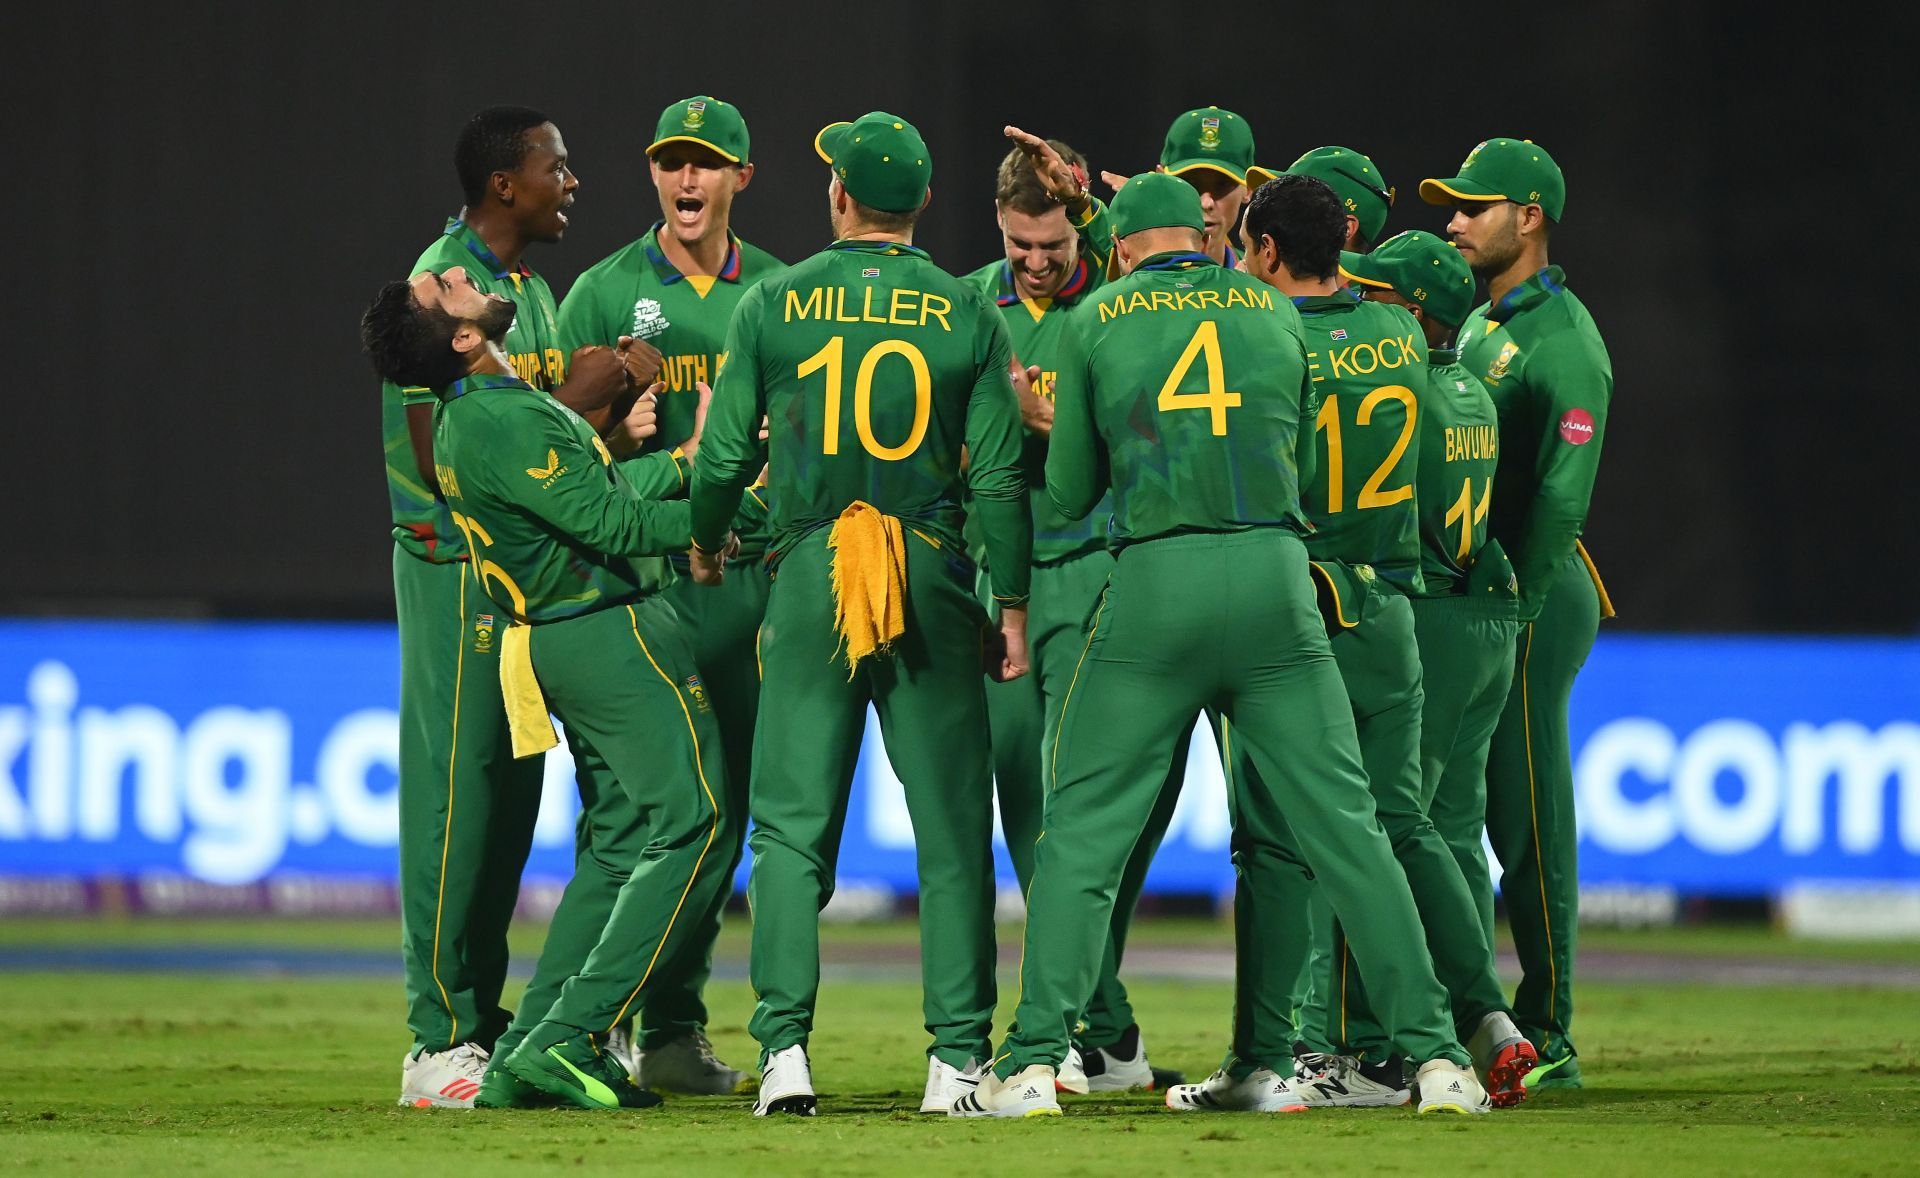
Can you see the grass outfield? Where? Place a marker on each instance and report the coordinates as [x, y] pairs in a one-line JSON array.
[[215, 1074]]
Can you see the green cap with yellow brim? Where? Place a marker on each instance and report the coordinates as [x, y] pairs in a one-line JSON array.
[[1354, 179], [707, 121], [1518, 170], [1209, 138], [1419, 267], [881, 160], [1155, 200]]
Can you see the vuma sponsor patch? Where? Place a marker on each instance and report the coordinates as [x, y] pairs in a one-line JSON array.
[[1577, 427]]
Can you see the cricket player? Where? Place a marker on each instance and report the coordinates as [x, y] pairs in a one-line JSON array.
[[1211, 149], [1058, 242], [1189, 395], [874, 369], [1538, 350], [1463, 627], [1363, 192], [552, 530], [467, 808], [674, 289]]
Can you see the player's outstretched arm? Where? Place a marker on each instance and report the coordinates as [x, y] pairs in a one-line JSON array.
[[731, 452], [565, 483]]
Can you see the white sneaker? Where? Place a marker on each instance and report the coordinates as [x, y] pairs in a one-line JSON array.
[[1071, 1076], [1502, 1056], [1341, 1081], [1265, 1091], [1446, 1087], [945, 1082], [686, 1064], [786, 1085], [443, 1079], [1119, 1068], [1026, 1093], [619, 1044]]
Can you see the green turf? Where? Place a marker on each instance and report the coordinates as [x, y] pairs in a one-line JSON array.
[[214, 1075]]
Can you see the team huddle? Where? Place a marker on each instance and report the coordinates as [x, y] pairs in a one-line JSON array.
[[1213, 448]]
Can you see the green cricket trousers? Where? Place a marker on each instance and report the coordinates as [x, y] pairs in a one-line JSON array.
[[1530, 818], [467, 808], [654, 826], [927, 693], [1224, 621], [1394, 689]]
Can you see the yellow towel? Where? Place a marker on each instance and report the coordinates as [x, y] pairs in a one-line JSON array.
[[869, 581], [527, 717], [1599, 587]]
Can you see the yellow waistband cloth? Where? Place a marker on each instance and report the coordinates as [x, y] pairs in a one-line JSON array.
[[527, 717], [869, 581], [1599, 587]]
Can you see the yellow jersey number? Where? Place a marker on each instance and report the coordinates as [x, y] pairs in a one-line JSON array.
[[1216, 400], [832, 357], [1371, 494]]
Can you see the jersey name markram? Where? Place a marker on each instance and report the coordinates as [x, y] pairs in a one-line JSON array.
[[1184, 300], [904, 308]]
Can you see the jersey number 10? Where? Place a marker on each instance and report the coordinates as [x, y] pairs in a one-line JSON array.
[[833, 359]]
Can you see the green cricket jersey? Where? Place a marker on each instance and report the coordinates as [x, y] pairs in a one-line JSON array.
[[1551, 379], [638, 292], [1037, 328], [553, 527], [421, 524], [1459, 445], [1187, 396], [1369, 364], [875, 367]]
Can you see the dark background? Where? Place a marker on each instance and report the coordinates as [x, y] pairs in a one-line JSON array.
[[203, 199]]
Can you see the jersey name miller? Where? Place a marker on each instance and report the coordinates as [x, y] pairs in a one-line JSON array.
[[1577, 427], [902, 307]]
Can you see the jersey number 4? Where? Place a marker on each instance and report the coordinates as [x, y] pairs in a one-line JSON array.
[[833, 359], [1205, 347], [1329, 420]]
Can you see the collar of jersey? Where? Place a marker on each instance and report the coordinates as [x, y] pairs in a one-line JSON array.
[[463, 233], [670, 274], [1177, 260], [1344, 299], [1438, 356], [1548, 282], [480, 381], [1075, 287], [883, 248]]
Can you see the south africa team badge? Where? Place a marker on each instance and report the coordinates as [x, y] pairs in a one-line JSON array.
[[698, 692], [696, 115], [1210, 134], [483, 633]]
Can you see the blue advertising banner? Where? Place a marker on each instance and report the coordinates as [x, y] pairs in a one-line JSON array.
[[232, 752]]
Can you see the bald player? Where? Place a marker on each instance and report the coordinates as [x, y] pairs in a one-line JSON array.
[[673, 290], [1190, 396], [874, 369], [1542, 357]]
